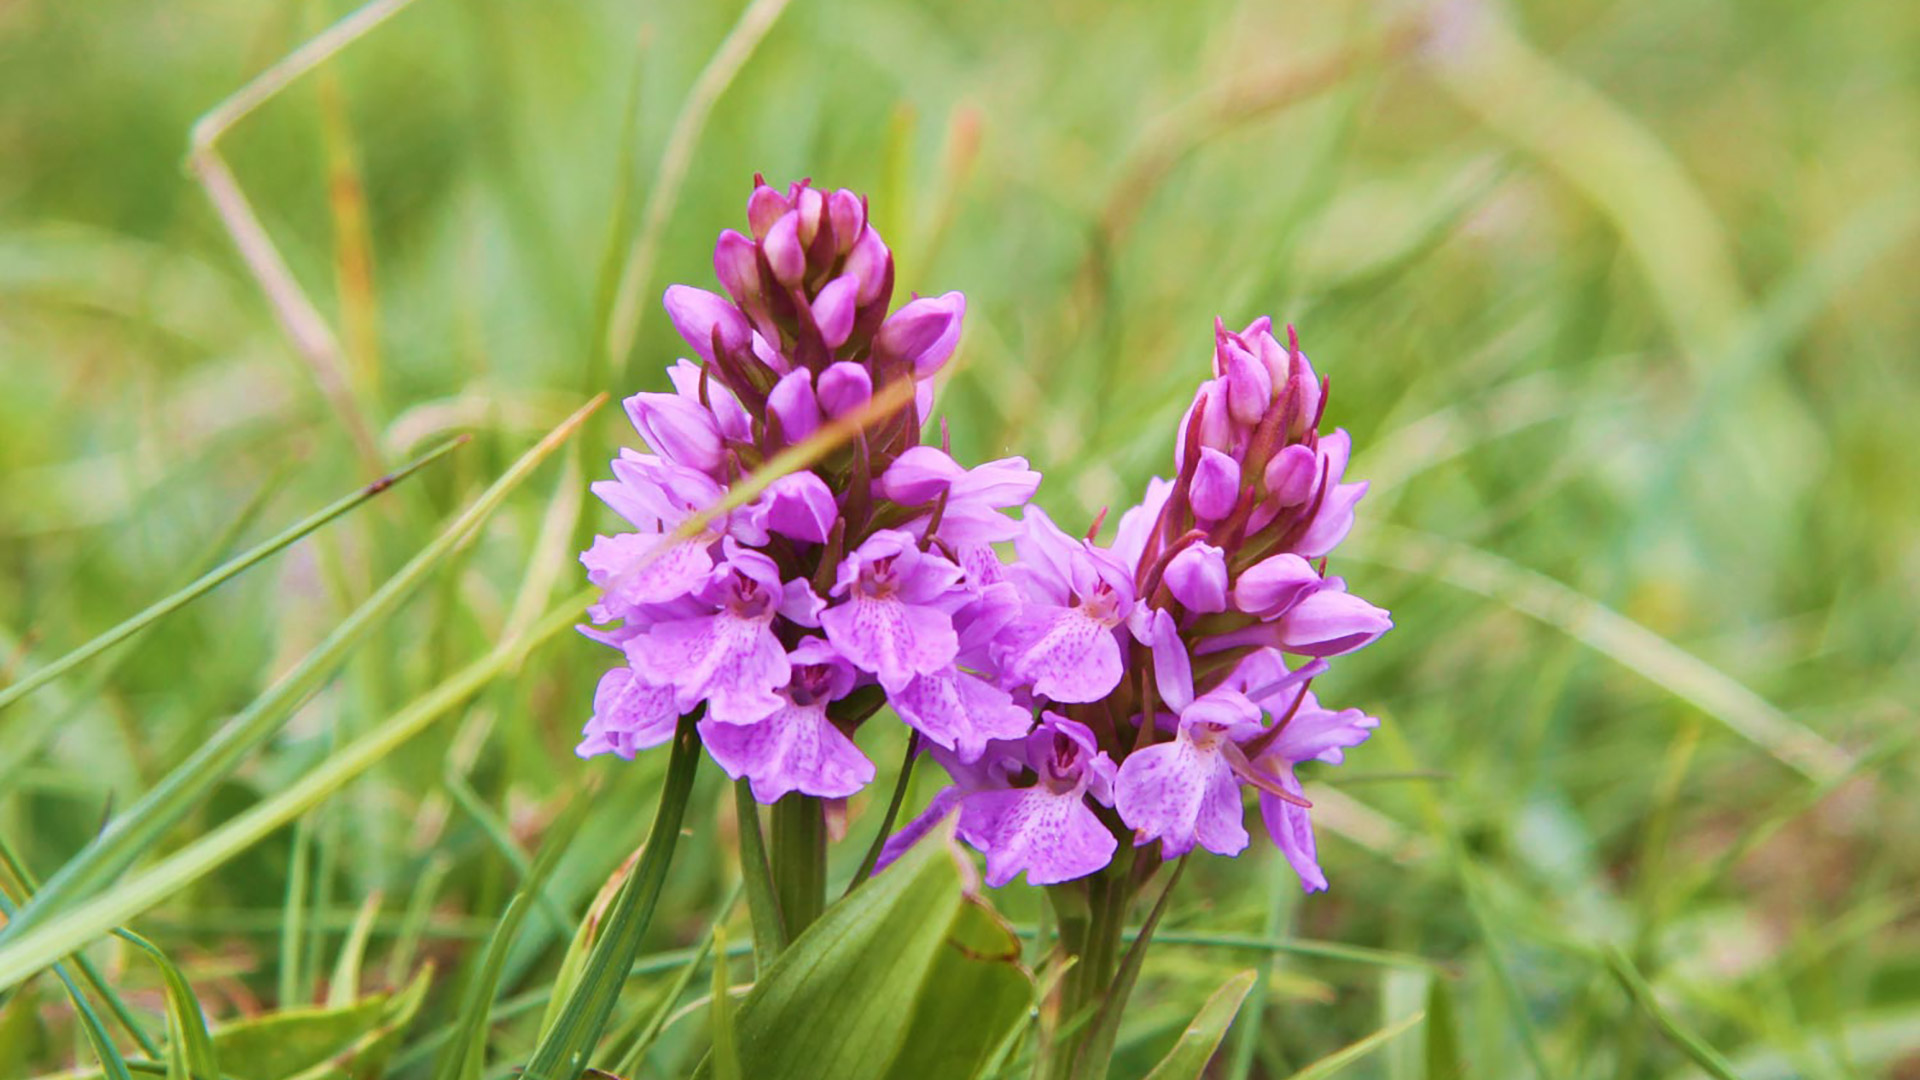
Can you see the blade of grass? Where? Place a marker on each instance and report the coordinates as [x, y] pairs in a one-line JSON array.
[[166, 803], [623, 325], [463, 1059], [214, 578], [1349, 1054], [344, 988], [629, 1063], [25, 885], [1696, 1048], [565, 1050], [726, 1052], [291, 980], [189, 1047], [1639, 649], [71, 928], [498, 835], [111, 1061]]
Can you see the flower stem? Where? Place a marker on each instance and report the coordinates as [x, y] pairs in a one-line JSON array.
[[799, 860]]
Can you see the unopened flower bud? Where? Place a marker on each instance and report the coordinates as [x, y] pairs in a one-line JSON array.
[[833, 309], [737, 265], [868, 263], [792, 402], [1291, 475], [811, 206], [1197, 577], [697, 313], [848, 216], [764, 207], [1216, 485], [924, 333], [1249, 389], [785, 251], [677, 429], [843, 387], [1272, 586]]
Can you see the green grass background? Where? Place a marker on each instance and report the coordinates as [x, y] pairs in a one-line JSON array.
[[1616, 298]]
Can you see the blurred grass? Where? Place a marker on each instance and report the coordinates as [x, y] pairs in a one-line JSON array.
[[1617, 294]]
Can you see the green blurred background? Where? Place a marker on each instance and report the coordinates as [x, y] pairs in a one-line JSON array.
[[1616, 298]]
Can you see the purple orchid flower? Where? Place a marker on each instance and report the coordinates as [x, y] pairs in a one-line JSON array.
[[728, 657], [1066, 642], [795, 747], [1047, 831], [896, 620]]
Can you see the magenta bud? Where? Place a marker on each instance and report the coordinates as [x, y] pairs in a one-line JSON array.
[[791, 400], [811, 206], [924, 333], [1273, 355], [737, 265], [1270, 587], [1249, 389], [1291, 475], [1216, 485], [1216, 426], [868, 262], [1330, 622], [677, 429], [833, 310], [1197, 577], [764, 207], [1303, 386], [843, 388], [697, 313], [785, 253], [848, 216]]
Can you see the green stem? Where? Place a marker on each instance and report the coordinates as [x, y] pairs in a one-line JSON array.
[[564, 1049], [763, 904], [893, 814], [799, 860]]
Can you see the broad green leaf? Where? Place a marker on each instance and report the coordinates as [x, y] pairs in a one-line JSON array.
[[1189, 1056], [189, 1048], [1443, 1034], [283, 1044], [893, 957], [977, 974]]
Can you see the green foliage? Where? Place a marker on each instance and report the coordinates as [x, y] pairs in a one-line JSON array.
[[1189, 1057], [1615, 297], [900, 959]]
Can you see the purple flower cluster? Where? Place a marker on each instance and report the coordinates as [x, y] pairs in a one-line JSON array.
[[868, 578], [1081, 696]]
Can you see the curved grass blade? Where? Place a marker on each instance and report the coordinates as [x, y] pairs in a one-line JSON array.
[[630, 1061], [1353, 1052], [1189, 1057], [563, 1052], [463, 1058], [167, 802], [218, 576], [1697, 1049], [26, 885], [726, 1048], [189, 1047], [1098, 1047], [112, 1063], [62, 934]]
